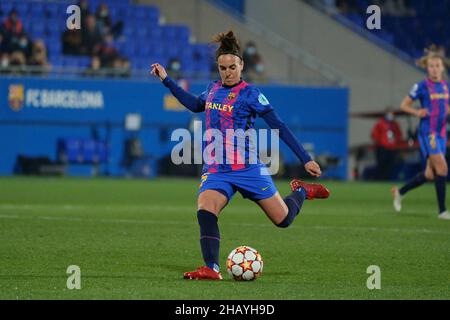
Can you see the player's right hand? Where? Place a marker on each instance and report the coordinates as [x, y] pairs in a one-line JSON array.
[[422, 113], [158, 71], [313, 168]]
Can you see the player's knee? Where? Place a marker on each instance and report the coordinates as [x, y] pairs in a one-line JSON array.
[[286, 222], [441, 169], [283, 225], [442, 172], [210, 207], [429, 175]]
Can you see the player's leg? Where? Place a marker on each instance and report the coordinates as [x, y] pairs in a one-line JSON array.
[[419, 179], [282, 212], [416, 181], [210, 204], [214, 195], [439, 165]]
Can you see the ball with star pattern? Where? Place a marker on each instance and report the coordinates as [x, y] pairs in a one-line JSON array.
[[244, 263]]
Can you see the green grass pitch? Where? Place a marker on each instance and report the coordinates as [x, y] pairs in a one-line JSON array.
[[133, 239]]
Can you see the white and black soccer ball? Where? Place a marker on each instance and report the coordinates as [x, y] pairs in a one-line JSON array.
[[244, 263]]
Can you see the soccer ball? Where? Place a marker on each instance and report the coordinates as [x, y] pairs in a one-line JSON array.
[[244, 263]]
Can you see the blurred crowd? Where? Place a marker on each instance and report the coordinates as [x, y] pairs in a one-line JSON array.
[[97, 39], [18, 50], [20, 54]]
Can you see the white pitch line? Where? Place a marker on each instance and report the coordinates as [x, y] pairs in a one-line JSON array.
[[260, 225]]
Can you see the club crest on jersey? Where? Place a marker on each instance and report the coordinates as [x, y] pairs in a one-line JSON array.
[[231, 95]]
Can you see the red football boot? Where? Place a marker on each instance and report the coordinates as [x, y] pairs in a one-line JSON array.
[[313, 190], [203, 273]]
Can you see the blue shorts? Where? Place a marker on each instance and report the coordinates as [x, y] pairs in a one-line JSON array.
[[250, 182], [432, 144]]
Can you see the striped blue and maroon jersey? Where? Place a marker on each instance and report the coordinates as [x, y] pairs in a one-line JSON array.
[[433, 96]]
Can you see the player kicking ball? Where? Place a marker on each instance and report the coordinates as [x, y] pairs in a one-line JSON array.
[[231, 103], [433, 94]]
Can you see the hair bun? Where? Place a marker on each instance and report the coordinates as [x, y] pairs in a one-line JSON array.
[[228, 44]]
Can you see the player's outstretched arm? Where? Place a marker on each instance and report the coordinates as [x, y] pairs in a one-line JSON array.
[[274, 121], [188, 100]]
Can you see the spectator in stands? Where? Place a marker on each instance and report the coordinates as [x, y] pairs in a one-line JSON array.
[[4, 62], [39, 57], [347, 6], [107, 51], [72, 42], [3, 44], [103, 18], [253, 64], [85, 12], [105, 23], [91, 36], [396, 8], [94, 69], [125, 68], [18, 62], [386, 135], [174, 69], [22, 44], [121, 68], [12, 26]]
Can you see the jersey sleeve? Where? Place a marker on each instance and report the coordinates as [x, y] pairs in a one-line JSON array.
[[204, 95], [415, 92], [258, 102]]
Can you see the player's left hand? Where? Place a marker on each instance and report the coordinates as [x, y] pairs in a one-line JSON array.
[[313, 168]]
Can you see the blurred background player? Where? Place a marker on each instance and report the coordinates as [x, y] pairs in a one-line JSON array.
[[240, 103], [433, 94], [386, 135]]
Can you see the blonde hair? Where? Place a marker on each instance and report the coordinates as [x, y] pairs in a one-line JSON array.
[[432, 52]]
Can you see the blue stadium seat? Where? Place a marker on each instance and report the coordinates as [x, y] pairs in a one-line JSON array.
[[72, 149], [52, 9], [6, 7], [37, 9], [22, 8], [129, 49], [89, 147], [54, 47], [143, 50]]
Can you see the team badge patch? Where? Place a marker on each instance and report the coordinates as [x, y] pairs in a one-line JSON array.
[[231, 96], [263, 100], [413, 91]]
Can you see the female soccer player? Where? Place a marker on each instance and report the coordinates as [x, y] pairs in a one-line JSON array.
[[231, 103], [433, 94]]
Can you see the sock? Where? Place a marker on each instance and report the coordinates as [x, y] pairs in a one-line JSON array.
[[440, 184], [415, 182], [209, 238], [294, 202]]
